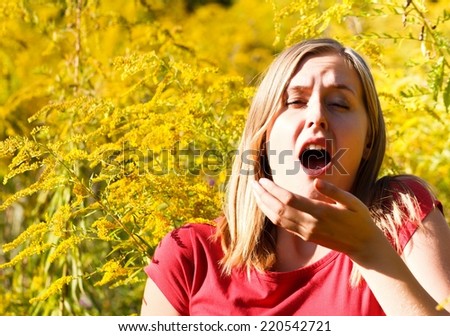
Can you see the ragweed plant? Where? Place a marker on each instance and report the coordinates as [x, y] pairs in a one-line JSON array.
[[121, 150]]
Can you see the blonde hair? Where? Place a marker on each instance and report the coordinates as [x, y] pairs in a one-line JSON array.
[[248, 238]]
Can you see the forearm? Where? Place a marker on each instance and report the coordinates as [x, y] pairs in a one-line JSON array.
[[393, 284]]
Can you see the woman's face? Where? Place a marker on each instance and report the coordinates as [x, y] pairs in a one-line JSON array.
[[321, 130]]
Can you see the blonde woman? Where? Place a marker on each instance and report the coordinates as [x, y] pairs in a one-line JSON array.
[[307, 227]]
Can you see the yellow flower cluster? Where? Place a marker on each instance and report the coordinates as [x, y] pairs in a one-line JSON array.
[[35, 231], [63, 246], [55, 287], [41, 185], [59, 219], [112, 270], [104, 228], [34, 249]]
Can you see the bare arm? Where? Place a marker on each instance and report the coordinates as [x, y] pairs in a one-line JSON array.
[[411, 288], [154, 303], [428, 256]]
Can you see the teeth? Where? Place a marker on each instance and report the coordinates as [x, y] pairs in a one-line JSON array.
[[315, 147]]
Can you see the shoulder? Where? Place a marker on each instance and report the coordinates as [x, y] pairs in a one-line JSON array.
[[418, 189], [185, 238], [191, 230], [405, 201]]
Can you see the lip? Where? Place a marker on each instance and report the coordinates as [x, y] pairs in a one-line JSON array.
[[316, 172], [323, 142]]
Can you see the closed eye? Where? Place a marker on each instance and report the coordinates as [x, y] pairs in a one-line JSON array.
[[337, 101], [338, 106], [296, 103]]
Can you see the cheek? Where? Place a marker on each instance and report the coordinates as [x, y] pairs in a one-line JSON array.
[[281, 143], [354, 139], [353, 125], [284, 131]]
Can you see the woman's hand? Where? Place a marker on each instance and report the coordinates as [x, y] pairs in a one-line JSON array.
[[340, 222], [343, 223]]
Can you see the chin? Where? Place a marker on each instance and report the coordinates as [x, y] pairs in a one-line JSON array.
[[301, 185]]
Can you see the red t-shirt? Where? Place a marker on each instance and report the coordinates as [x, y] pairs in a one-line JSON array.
[[185, 268]]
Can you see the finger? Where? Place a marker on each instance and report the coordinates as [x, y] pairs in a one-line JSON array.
[[266, 201], [280, 193], [279, 204], [338, 195], [268, 211], [288, 198], [272, 207], [269, 204]]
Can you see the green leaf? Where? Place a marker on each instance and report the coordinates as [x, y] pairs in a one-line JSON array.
[[446, 95]]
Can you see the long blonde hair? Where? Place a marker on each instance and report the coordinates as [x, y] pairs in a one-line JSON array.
[[248, 238]]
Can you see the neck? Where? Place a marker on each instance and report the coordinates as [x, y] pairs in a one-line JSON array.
[[293, 252]]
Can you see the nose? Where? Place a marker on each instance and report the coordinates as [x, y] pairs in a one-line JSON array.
[[316, 115]]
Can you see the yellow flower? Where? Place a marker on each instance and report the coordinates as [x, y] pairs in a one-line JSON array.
[[54, 288]]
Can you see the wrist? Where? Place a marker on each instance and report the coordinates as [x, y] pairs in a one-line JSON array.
[[374, 252]]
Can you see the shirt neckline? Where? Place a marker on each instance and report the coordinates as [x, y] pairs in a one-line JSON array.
[[275, 276]]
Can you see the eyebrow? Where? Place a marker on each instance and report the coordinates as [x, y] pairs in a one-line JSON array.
[[301, 89]]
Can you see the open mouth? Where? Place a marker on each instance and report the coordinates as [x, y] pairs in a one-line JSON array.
[[315, 159]]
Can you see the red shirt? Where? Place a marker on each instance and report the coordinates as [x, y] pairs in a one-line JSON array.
[[185, 268]]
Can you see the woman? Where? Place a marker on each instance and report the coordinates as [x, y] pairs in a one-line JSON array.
[[308, 229]]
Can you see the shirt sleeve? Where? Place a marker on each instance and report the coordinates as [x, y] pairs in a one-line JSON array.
[[172, 268], [427, 202]]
